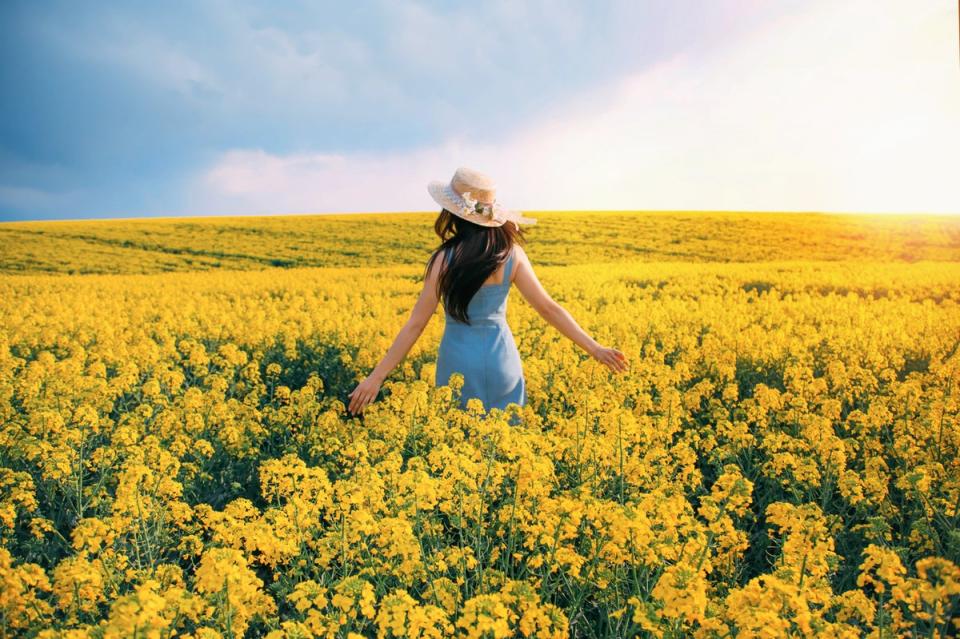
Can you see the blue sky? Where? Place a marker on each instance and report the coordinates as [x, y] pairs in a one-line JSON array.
[[211, 108]]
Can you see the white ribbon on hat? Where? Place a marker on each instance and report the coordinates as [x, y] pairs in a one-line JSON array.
[[490, 211]]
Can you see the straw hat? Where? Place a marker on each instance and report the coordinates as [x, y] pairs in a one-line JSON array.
[[471, 195]]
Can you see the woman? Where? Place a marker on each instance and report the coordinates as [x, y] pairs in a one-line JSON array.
[[482, 257]]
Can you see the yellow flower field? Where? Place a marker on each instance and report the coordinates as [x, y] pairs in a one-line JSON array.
[[781, 460]]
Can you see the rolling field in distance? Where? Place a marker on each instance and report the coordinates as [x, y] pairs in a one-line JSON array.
[[781, 460], [559, 239]]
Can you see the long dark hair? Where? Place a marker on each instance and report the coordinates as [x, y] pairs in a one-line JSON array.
[[478, 251]]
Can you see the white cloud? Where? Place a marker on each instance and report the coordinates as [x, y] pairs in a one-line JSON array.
[[849, 106]]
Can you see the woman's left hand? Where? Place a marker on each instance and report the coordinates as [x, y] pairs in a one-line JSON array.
[[365, 392]]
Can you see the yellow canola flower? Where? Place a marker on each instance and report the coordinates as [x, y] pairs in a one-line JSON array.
[[400, 615], [227, 581], [20, 588]]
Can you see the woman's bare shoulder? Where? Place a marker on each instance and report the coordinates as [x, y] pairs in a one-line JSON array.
[[519, 257]]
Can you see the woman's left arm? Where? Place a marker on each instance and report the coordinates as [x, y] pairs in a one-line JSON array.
[[367, 390]]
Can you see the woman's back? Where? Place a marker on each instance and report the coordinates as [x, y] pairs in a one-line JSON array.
[[490, 301]]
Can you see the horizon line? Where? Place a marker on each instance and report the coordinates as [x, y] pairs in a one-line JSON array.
[[107, 218]]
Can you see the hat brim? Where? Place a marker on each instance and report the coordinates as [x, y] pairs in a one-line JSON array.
[[444, 195]]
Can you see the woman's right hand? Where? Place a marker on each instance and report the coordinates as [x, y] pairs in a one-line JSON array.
[[611, 357]]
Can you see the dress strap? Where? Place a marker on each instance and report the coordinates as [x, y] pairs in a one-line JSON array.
[[508, 269]]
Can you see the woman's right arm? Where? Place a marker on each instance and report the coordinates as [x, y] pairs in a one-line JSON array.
[[557, 316]]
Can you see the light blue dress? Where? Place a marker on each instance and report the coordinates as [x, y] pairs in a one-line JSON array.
[[484, 351]]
